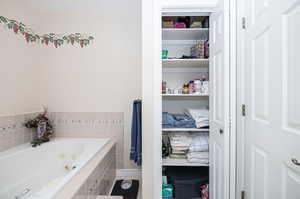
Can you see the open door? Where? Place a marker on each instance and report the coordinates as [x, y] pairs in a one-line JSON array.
[[219, 102], [272, 99]]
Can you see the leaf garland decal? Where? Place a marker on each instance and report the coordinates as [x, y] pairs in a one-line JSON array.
[[51, 38]]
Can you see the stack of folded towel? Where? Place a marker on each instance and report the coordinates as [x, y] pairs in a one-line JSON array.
[[198, 157], [198, 150], [193, 147], [177, 121], [201, 117], [180, 143]]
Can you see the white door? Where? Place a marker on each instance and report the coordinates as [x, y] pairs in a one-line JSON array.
[[272, 97], [219, 102]]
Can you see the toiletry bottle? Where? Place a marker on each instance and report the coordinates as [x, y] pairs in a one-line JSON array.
[[191, 87], [197, 86], [164, 87], [185, 89]]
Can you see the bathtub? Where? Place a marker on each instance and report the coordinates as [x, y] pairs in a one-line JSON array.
[[44, 171]]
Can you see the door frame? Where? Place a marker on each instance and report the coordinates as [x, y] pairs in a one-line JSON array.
[[151, 85], [151, 99], [234, 110], [240, 161]]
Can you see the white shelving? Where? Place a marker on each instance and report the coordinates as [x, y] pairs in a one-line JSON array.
[[181, 162], [185, 63], [184, 33], [185, 130], [178, 71]]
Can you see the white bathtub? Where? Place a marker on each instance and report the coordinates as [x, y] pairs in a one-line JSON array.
[[41, 172]]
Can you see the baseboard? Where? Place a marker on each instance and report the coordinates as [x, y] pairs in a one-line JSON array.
[[129, 173]]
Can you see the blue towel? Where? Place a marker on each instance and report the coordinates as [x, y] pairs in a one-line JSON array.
[[167, 120], [177, 121], [136, 133], [183, 121]]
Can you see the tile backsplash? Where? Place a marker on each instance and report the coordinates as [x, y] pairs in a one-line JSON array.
[[13, 132], [66, 124]]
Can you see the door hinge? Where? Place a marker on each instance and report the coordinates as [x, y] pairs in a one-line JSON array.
[[244, 23], [243, 195], [243, 110]]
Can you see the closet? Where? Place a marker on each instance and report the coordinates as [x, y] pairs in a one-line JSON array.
[[185, 104]]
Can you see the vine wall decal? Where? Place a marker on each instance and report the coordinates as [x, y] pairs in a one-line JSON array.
[[50, 38]]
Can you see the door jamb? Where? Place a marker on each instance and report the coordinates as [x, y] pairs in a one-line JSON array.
[[233, 98], [240, 161]]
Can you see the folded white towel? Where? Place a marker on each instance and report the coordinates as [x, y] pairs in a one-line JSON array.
[[198, 148], [201, 117], [180, 140], [198, 157], [200, 161], [199, 142]]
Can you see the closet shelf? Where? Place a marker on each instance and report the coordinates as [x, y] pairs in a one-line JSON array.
[[181, 162], [184, 33], [185, 130], [185, 63], [185, 95]]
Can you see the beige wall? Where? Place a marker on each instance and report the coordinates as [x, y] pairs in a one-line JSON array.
[[103, 77], [20, 68]]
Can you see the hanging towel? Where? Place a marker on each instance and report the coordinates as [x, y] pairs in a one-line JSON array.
[[136, 133]]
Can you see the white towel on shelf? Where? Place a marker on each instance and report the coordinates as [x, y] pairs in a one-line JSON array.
[[198, 157], [201, 117], [180, 140], [199, 142], [200, 161]]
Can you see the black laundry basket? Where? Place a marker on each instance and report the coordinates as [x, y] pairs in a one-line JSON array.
[[187, 181]]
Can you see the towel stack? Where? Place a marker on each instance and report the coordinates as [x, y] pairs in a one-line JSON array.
[[198, 150], [180, 143], [201, 117], [193, 147]]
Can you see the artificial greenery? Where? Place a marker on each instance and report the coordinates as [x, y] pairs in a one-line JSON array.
[[50, 38], [35, 122]]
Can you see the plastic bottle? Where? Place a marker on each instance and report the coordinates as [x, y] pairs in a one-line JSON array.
[[191, 87]]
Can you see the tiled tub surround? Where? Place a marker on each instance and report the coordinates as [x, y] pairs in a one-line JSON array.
[[63, 168], [95, 179], [13, 132], [100, 181], [92, 125]]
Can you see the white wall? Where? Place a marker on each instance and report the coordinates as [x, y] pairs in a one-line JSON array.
[[103, 77], [20, 68]]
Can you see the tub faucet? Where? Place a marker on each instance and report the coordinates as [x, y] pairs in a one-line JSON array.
[[26, 191]]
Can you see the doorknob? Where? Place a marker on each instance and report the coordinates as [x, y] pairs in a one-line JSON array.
[[296, 162], [221, 131]]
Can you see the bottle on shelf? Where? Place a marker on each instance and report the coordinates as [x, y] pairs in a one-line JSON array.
[[191, 87], [197, 86], [185, 89], [164, 87]]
